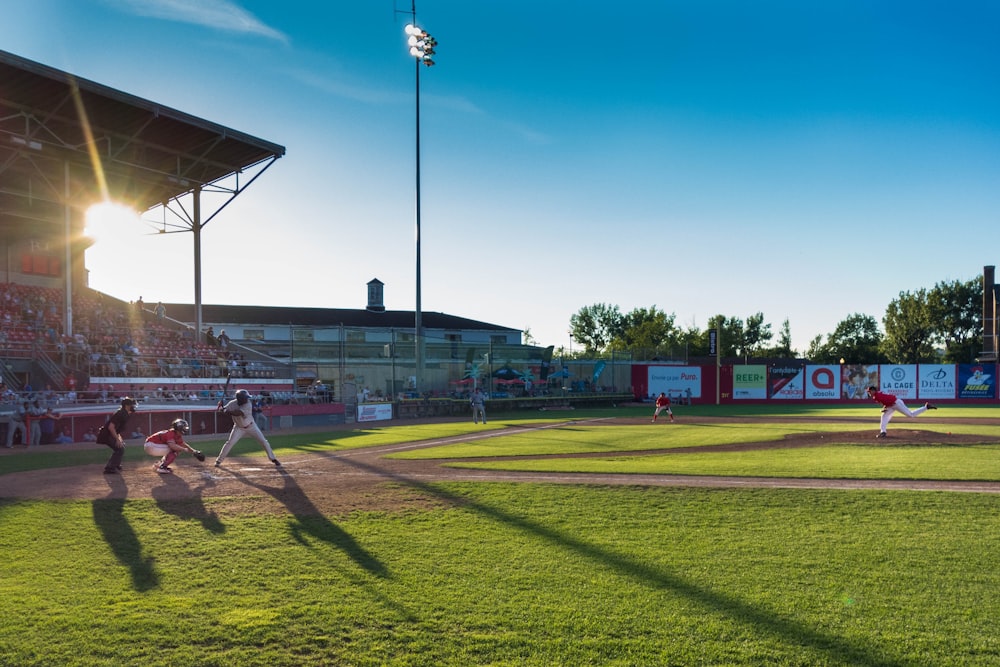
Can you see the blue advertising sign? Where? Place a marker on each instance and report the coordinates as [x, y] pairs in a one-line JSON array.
[[977, 381]]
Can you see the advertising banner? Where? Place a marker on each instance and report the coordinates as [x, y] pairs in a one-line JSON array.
[[823, 382], [937, 381], [977, 381], [900, 380], [749, 382], [373, 412], [855, 380], [674, 379], [786, 382]]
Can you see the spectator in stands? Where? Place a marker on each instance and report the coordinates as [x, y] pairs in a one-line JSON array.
[[137, 433], [66, 437], [258, 414], [210, 337], [18, 424], [161, 310], [48, 426], [89, 435], [139, 305], [223, 339], [35, 414]]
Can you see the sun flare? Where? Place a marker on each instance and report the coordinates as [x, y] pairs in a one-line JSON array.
[[109, 218]]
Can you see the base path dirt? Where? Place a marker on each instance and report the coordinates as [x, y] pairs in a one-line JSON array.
[[337, 483]]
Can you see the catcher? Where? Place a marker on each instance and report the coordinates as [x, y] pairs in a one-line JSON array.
[[168, 444]]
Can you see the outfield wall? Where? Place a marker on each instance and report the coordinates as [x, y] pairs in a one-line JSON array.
[[827, 383], [204, 420]]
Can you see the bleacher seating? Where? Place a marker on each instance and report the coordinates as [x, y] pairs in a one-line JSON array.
[[110, 338]]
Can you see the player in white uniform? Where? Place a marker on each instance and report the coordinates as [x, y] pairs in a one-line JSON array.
[[241, 410], [478, 402]]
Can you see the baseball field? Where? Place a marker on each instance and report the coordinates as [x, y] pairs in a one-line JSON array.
[[739, 535]]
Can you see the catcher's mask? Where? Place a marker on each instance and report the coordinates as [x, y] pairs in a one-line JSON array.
[[181, 426]]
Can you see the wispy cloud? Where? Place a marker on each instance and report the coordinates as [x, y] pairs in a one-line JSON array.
[[357, 92], [214, 14], [371, 95]]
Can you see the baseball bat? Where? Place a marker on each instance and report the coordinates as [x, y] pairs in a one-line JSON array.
[[225, 389]]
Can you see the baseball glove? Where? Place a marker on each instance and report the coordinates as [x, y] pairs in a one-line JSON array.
[[198, 455]]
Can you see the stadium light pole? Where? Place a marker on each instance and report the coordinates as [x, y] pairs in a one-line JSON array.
[[421, 48]]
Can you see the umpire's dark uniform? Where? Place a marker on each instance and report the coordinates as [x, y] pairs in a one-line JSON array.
[[111, 435]]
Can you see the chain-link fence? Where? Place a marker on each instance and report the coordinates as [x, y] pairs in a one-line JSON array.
[[354, 365]]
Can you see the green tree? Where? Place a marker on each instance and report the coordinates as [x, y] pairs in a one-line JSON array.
[[647, 328], [957, 311], [730, 334], [695, 342], [817, 351], [856, 339], [784, 346], [910, 332], [754, 335], [595, 326]]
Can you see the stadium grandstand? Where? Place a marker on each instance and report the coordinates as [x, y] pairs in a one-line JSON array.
[[67, 143]]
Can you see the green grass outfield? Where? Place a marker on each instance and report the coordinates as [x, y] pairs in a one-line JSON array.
[[873, 460], [519, 574]]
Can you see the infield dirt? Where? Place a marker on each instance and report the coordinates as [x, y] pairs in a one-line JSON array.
[[341, 482]]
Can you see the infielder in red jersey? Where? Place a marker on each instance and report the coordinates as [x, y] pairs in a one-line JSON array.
[[891, 404], [663, 403], [168, 444]]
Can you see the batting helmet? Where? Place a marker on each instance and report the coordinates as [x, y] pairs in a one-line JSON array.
[[242, 396], [181, 426]]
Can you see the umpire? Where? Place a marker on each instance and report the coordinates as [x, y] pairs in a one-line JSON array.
[[111, 435]]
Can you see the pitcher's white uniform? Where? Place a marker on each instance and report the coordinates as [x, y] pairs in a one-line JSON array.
[[241, 410]]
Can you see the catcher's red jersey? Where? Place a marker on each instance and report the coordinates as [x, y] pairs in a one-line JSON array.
[[170, 436]]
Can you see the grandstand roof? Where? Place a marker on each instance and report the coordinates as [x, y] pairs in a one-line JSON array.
[[145, 153], [324, 317]]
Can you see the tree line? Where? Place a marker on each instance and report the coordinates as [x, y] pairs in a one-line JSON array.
[[942, 324]]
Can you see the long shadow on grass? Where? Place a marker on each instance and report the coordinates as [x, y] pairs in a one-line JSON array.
[[310, 520], [109, 517], [790, 631], [187, 505]]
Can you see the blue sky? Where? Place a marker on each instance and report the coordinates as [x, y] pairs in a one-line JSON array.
[[805, 160]]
